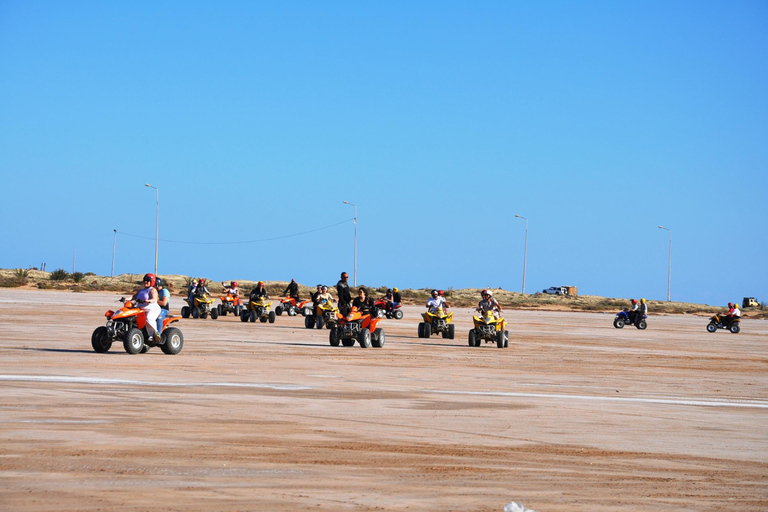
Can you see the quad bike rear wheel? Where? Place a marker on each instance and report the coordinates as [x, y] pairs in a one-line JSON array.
[[398, 314], [133, 341], [173, 341], [100, 340], [641, 324], [214, 313], [734, 328], [291, 311], [348, 342], [253, 316], [195, 312], [271, 317], [309, 322], [378, 338], [279, 310], [185, 312], [320, 322], [244, 316]]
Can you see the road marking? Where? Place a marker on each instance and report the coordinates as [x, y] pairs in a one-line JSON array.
[[702, 403], [89, 380]]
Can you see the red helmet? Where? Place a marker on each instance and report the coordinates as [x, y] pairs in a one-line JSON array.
[[201, 282], [484, 293], [233, 284], [634, 301], [150, 278], [440, 292], [261, 283]]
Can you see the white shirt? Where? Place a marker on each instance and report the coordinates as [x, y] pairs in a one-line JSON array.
[[435, 303], [736, 311]]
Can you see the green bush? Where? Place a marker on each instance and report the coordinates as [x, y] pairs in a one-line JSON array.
[[77, 276], [59, 275], [21, 273]]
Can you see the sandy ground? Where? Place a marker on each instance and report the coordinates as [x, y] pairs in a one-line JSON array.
[[574, 415]]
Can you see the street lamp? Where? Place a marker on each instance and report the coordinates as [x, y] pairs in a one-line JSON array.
[[157, 220], [525, 252], [354, 283], [114, 245], [669, 268]]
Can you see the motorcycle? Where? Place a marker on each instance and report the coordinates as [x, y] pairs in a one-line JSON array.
[[722, 322], [437, 322], [229, 304], [327, 315], [129, 324], [357, 327], [200, 308], [623, 318], [260, 309], [386, 308], [490, 328]]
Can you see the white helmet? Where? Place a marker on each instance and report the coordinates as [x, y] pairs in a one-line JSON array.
[[489, 293]]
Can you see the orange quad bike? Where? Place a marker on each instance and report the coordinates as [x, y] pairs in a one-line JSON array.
[[290, 307], [357, 327], [229, 304], [129, 324]]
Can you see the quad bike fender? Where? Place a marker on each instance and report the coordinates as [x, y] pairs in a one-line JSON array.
[[169, 320]]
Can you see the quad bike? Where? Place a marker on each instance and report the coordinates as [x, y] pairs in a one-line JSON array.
[[437, 322], [489, 328], [380, 306], [722, 322], [289, 306], [229, 304], [623, 318], [129, 325], [200, 308], [357, 327], [260, 309], [327, 315]]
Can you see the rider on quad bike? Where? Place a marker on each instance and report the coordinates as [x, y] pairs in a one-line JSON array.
[[358, 325], [730, 321], [436, 318], [489, 325], [230, 300]]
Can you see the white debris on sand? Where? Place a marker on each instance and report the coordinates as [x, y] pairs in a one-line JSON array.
[[516, 507]]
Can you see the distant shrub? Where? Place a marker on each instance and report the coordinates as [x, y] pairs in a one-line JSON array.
[[59, 275], [21, 273], [77, 276], [12, 282], [90, 274]]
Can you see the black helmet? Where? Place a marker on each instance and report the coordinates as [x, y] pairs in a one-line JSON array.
[[159, 282]]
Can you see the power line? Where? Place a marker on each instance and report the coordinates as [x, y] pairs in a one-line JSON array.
[[238, 243]]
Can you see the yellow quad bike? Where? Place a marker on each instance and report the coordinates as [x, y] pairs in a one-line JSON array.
[[327, 315], [200, 308], [437, 322], [260, 309], [489, 328]]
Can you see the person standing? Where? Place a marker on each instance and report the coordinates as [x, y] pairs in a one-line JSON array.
[[345, 297]]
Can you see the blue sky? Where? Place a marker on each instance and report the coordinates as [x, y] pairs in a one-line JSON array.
[[596, 120]]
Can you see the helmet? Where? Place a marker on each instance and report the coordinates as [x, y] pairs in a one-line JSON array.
[[319, 286], [484, 292], [150, 278], [489, 293], [389, 290], [261, 283], [233, 284], [634, 301], [395, 289], [730, 305], [434, 293], [159, 282], [194, 281], [325, 288], [642, 300], [201, 282]]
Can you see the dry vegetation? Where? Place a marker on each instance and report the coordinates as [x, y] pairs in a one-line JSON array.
[[127, 283]]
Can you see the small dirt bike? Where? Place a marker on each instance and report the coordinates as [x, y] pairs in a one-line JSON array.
[[129, 324], [387, 308], [258, 308], [327, 315], [623, 318], [200, 308], [229, 304], [437, 322], [357, 327], [723, 322], [490, 328]]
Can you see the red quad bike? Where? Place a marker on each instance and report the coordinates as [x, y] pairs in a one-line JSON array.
[[357, 327], [129, 325], [380, 306], [289, 306], [229, 304]]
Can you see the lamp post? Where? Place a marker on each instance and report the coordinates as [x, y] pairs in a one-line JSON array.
[[525, 252], [354, 283], [157, 220], [669, 268], [114, 245]]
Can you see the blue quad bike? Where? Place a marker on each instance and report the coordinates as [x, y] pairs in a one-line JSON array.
[[623, 318]]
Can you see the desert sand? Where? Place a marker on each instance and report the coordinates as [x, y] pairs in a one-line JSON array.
[[574, 416]]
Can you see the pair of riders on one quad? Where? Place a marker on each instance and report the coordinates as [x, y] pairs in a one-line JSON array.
[[637, 312], [154, 299], [733, 313]]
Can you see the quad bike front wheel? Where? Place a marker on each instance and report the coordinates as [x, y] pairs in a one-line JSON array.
[[214, 313], [618, 323], [253, 316], [173, 341], [500, 339], [333, 337], [185, 312], [244, 316], [320, 322], [279, 310], [309, 322], [364, 338], [473, 339], [378, 338], [134, 341], [195, 312], [100, 340], [711, 327], [271, 317]]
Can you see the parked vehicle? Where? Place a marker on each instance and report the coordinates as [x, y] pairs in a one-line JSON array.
[[260, 309], [750, 302], [489, 328], [382, 310], [723, 322], [356, 327], [624, 318], [201, 307], [556, 290], [437, 322], [129, 325]]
